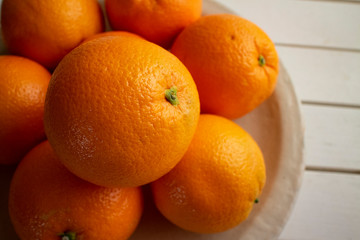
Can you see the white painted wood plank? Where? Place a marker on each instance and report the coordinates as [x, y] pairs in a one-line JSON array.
[[323, 75], [342, 1], [332, 137], [315, 23], [327, 208]]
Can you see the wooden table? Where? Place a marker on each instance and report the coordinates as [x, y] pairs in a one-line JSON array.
[[319, 44]]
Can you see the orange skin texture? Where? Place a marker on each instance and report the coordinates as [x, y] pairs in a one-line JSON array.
[[23, 86], [158, 21], [107, 117], [111, 33], [46, 200], [214, 186], [46, 30], [221, 53]]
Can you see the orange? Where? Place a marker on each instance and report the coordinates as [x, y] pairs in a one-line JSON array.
[[233, 62], [47, 202], [158, 21], [110, 33], [215, 185], [46, 30], [23, 85], [120, 111]]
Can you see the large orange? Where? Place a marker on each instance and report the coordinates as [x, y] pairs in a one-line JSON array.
[[23, 86], [215, 185], [46, 30], [121, 111], [158, 21], [233, 62], [47, 202]]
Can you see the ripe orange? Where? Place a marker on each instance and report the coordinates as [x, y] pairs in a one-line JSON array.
[[23, 85], [233, 62], [46, 30], [214, 186], [120, 111], [110, 33], [158, 21], [46, 201]]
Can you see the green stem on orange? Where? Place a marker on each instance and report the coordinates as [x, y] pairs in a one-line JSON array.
[[170, 95], [68, 235], [256, 200], [261, 60]]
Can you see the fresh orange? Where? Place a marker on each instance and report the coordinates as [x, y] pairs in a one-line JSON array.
[[46, 30], [158, 21], [215, 185], [120, 111], [47, 202], [23, 85], [110, 33], [233, 62]]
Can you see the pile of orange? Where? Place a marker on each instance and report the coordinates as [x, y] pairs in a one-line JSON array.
[[91, 116]]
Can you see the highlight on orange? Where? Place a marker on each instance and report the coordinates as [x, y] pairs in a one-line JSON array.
[[110, 34]]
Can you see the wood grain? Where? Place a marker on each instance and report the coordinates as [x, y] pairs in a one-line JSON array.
[[327, 208], [314, 23], [332, 137], [321, 75]]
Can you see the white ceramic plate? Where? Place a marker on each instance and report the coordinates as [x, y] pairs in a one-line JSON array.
[[277, 127]]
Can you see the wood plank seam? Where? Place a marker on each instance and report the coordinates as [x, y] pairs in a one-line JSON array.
[[320, 47], [332, 170], [330, 104], [338, 1]]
